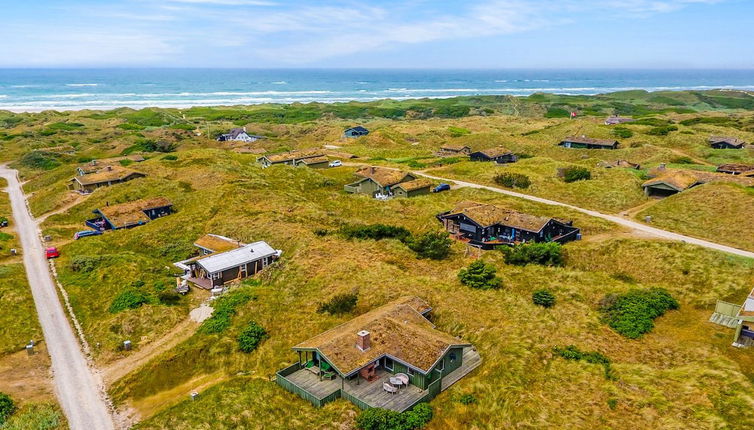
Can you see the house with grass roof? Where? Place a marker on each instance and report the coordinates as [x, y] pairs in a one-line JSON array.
[[222, 260], [454, 150], [497, 154], [738, 317], [131, 214], [665, 182], [381, 181], [726, 142], [357, 131], [414, 188], [734, 169], [391, 357], [294, 158], [106, 177], [583, 142], [487, 226]]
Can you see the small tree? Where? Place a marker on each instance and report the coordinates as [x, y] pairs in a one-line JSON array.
[[480, 275], [435, 246], [251, 337], [510, 180], [575, 173], [339, 304], [543, 298], [7, 407]]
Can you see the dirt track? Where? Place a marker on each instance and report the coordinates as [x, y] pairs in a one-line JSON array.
[[77, 387]]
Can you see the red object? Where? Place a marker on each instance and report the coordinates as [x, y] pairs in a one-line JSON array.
[[52, 252], [573, 114]]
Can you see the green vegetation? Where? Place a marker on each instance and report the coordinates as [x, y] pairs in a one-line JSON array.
[[131, 298], [225, 308], [7, 407], [339, 304], [36, 417], [544, 298], [170, 157], [571, 352], [251, 337], [622, 132], [575, 173], [662, 130], [543, 253], [467, 399], [480, 275], [433, 245], [40, 160], [458, 131], [632, 314], [375, 232], [511, 180], [383, 419]]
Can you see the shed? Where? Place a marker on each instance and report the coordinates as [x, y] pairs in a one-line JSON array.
[[413, 188], [357, 131], [108, 176], [497, 154]]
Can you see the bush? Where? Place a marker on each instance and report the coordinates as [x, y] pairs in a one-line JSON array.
[[375, 232], [544, 253], [480, 275], [467, 399], [131, 298], [458, 131], [435, 246], [682, 160], [571, 352], [543, 298], [339, 304], [251, 337], [574, 173], [662, 130], [170, 157], [632, 314], [224, 310], [85, 263], [40, 160], [553, 112], [169, 298], [7, 407], [510, 180], [383, 419], [622, 132]]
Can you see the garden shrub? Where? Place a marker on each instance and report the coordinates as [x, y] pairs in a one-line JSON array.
[[384, 419], [7, 407], [339, 304], [510, 180], [480, 275], [575, 173], [571, 352], [130, 298], [251, 336], [432, 245], [224, 310], [544, 298], [543, 253], [632, 314]]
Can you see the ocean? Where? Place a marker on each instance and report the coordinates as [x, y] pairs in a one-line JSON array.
[[30, 90]]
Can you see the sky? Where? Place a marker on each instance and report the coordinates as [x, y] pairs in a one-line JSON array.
[[495, 34]]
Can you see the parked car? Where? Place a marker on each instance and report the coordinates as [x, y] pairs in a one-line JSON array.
[[441, 187], [336, 163], [52, 252], [85, 233]]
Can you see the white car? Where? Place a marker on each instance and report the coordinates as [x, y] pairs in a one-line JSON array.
[[336, 163]]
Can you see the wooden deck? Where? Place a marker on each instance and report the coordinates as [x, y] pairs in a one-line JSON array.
[[199, 282], [372, 393], [471, 360], [311, 383]]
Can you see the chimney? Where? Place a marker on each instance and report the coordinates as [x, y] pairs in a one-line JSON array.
[[244, 129], [363, 340]]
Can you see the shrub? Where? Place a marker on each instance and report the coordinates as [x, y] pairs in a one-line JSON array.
[[7, 407], [40, 160], [480, 275], [575, 173], [375, 232], [170, 157], [682, 160], [169, 298], [85, 263], [339, 304], [544, 253], [224, 310], [632, 314], [622, 132], [251, 337], [432, 245], [458, 131], [131, 298], [662, 130], [510, 180], [543, 298], [571, 352], [467, 399], [383, 419], [553, 112]]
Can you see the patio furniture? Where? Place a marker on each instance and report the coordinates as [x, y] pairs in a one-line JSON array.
[[311, 367], [395, 382], [403, 378], [389, 388]]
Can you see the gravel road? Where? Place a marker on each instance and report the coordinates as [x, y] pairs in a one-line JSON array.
[[78, 388]]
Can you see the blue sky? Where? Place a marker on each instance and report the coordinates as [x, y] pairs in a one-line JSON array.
[[378, 34]]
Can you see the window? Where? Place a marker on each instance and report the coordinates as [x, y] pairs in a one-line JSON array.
[[410, 371], [217, 275], [388, 364], [452, 356]]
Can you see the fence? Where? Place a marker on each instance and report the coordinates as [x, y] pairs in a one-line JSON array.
[[280, 379]]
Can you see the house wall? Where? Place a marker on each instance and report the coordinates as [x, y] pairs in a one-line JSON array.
[[368, 187], [507, 158], [479, 157], [234, 273], [158, 212]]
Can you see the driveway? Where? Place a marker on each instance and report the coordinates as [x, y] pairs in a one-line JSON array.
[[78, 389]]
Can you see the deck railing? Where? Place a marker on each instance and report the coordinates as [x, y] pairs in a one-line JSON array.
[[355, 400], [280, 379]]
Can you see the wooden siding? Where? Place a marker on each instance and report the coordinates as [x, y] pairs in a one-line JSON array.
[[308, 386]]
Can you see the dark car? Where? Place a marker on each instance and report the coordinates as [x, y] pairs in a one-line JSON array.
[[85, 233], [441, 187]]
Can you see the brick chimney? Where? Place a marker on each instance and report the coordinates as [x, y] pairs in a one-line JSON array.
[[363, 340]]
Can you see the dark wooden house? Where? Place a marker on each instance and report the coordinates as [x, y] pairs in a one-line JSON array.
[[294, 158], [670, 182], [357, 131], [391, 357], [237, 261], [584, 142], [497, 154], [106, 177], [131, 214], [378, 181], [454, 150], [737, 169], [726, 142], [487, 226]]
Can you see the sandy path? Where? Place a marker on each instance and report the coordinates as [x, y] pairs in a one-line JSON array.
[[79, 391]]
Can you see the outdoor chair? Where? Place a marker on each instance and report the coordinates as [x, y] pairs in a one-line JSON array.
[[389, 388]]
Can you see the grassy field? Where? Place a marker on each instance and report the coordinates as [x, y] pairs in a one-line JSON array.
[[717, 212], [684, 374]]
